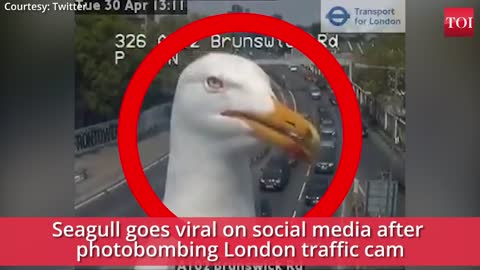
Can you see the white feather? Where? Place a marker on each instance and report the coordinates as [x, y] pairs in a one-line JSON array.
[[209, 172]]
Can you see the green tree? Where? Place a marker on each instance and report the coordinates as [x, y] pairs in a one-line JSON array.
[[99, 82], [388, 51]]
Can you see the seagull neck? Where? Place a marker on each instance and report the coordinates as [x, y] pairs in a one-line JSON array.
[[200, 151], [217, 182]]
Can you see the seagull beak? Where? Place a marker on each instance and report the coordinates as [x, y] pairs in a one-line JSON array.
[[284, 128]]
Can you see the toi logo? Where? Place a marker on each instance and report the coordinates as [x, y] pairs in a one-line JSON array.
[[458, 22]]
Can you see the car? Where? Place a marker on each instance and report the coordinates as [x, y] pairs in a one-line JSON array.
[[333, 101], [315, 92], [306, 116], [292, 162], [326, 160], [364, 130], [276, 174], [293, 68], [322, 84], [328, 140], [316, 186], [313, 88], [325, 120], [323, 113], [328, 129], [328, 143], [316, 95], [322, 110], [265, 209], [80, 175]]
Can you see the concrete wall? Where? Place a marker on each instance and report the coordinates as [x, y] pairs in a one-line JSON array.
[[90, 138]]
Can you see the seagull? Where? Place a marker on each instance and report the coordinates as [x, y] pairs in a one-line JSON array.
[[223, 111]]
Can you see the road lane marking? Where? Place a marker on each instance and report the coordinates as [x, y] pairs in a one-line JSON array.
[[293, 100], [95, 197], [118, 184], [304, 183], [309, 169], [164, 157], [294, 213], [357, 187], [110, 189], [301, 191], [148, 167]]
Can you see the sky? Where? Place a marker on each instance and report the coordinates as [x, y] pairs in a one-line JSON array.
[[303, 12]]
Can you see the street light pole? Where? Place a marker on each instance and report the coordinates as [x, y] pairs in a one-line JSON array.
[[396, 80], [350, 70]]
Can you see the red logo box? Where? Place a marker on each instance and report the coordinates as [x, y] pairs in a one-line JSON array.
[[458, 22]]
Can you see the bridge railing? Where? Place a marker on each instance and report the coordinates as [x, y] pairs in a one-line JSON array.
[[96, 136], [392, 125]]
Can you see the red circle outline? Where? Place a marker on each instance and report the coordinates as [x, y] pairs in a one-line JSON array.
[[228, 23]]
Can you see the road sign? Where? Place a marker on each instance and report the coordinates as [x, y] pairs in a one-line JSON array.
[[382, 198]]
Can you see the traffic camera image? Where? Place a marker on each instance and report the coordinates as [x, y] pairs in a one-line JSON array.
[[186, 129]]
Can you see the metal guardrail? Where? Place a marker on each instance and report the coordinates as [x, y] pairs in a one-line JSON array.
[[393, 126], [381, 199]]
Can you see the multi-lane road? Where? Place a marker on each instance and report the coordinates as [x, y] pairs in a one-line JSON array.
[[290, 202]]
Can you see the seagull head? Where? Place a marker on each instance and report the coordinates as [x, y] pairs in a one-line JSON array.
[[230, 99]]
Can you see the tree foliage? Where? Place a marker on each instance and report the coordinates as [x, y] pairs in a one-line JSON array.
[[387, 50], [100, 84]]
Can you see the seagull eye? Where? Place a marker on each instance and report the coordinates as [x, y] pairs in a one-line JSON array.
[[214, 83]]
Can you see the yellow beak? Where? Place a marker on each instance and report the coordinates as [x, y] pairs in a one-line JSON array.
[[284, 128]]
